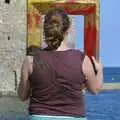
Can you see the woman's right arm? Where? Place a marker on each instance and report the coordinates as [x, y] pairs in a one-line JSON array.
[[94, 82]]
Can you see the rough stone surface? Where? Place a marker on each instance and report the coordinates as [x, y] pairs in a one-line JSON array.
[[12, 43]]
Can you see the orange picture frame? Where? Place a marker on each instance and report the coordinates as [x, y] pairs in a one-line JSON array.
[[90, 9]]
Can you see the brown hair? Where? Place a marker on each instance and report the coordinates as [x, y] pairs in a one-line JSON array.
[[55, 25]]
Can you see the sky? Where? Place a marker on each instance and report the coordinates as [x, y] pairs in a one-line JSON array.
[[109, 32]]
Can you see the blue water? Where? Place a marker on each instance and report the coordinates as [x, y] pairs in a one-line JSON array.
[[111, 74], [105, 106]]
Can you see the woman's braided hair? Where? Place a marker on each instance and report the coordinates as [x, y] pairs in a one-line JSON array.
[[56, 23]]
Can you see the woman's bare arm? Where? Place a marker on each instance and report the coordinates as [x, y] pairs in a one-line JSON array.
[[24, 89], [94, 82]]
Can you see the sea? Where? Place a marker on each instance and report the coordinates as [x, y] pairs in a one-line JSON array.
[[104, 106], [112, 74]]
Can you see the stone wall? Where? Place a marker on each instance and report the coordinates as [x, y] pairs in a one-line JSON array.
[[12, 43]]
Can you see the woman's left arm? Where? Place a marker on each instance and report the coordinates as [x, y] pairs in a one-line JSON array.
[[24, 89]]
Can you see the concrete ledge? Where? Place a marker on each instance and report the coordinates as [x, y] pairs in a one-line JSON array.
[[106, 86], [111, 86], [8, 94]]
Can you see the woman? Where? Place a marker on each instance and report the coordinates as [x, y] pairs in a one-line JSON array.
[[53, 79]]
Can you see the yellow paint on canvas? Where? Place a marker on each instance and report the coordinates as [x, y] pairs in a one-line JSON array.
[[62, 1], [34, 33]]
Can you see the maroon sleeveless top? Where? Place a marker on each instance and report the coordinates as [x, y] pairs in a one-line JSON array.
[[56, 83]]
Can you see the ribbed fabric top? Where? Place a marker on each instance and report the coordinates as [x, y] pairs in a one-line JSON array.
[[56, 83]]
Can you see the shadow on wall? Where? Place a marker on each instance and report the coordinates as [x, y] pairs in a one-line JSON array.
[[32, 50]]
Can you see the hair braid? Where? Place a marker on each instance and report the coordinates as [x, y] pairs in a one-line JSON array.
[[55, 25]]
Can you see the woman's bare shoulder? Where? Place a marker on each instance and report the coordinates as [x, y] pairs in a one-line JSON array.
[[28, 62]]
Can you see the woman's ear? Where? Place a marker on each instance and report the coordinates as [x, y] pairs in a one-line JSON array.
[[44, 44], [66, 34]]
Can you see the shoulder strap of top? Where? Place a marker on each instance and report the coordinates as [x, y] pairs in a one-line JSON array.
[[93, 64]]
